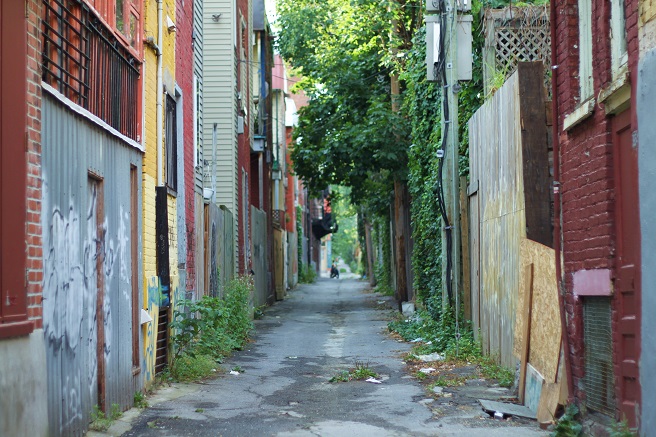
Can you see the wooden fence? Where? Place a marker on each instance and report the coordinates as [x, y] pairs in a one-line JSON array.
[[510, 228], [219, 249]]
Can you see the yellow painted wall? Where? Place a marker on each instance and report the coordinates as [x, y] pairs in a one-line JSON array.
[[152, 289]]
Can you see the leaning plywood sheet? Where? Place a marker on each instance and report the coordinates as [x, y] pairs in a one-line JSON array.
[[545, 333]]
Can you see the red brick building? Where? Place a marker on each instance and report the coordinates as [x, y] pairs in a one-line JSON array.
[[22, 405], [595, 53]]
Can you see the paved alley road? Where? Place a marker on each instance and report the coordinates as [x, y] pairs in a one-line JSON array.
[[299, 345]]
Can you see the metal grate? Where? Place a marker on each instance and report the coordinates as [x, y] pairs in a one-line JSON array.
[[85, 62], [599, 377]]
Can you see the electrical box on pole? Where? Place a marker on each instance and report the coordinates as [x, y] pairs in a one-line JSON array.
[[464, 50], [433, 52]]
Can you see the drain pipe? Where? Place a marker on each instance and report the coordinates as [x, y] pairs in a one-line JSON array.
[[557, 209], [160, 97]]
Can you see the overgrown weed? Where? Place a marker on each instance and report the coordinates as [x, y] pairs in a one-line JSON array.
[[206, 331]]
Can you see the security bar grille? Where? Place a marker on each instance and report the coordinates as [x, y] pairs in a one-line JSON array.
[[599, 377], [85, 62]]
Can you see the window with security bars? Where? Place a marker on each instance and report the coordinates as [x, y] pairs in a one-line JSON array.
[[171, 140], [92, 64], [599, 377]]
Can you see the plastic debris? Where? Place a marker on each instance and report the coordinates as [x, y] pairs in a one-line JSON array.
[[417, 340], [438, 389], [234, 372], [427, 370], [498, 415], [374, 381], [430, 357]]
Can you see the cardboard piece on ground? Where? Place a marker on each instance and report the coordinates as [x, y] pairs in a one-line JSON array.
[[548, 402], [507, 409]]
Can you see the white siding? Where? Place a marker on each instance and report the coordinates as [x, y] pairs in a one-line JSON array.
[[219, 100]]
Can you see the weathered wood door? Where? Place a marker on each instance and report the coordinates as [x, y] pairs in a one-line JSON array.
[[627, 273]]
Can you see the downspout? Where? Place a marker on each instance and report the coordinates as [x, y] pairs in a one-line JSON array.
[[160, 96], [557, 209], [276, 186]]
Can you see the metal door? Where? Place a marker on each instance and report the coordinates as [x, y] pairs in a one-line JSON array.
[[627, 268]]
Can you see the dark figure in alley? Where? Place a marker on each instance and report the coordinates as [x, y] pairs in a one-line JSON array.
[[334, 271]]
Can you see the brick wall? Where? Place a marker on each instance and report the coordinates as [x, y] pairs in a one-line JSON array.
[[586, 163], [33, 226]]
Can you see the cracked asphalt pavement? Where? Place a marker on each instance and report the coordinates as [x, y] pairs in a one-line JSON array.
[[284, 391]]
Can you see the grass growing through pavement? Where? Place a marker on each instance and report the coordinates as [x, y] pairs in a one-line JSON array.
[[439, 336], [359, 372], [140, 400], [101, 421], [208, 330]]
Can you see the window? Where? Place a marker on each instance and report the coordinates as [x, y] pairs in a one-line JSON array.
[[585, 50], [85, 60], [13, 112], [171, 144], [619, 54]]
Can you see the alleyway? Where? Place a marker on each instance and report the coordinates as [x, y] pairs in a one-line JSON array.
[[284, 389]]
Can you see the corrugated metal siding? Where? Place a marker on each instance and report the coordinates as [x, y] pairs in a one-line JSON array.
[[72, 148]]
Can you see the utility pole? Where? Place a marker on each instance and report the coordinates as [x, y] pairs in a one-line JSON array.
[[444, 56], [451, 175]]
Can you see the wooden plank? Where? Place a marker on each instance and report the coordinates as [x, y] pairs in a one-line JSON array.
[[548, 402], [534, 152], [464, 236], [475, 264], [526, 334]]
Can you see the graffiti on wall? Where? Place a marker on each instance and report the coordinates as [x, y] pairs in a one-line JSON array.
[[73, 246]]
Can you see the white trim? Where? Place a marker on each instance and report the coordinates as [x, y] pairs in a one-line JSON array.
[[194, 115], [586, 82], [91, 117], [618, 43], [583, 111]]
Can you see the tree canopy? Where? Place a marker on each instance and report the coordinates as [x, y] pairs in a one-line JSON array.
[[346, 50]]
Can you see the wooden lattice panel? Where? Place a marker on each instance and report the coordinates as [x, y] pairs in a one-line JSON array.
[[523, 44], [516, 34]]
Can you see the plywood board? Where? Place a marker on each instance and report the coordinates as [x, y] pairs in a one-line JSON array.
[[548, 402], [546, 327]]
